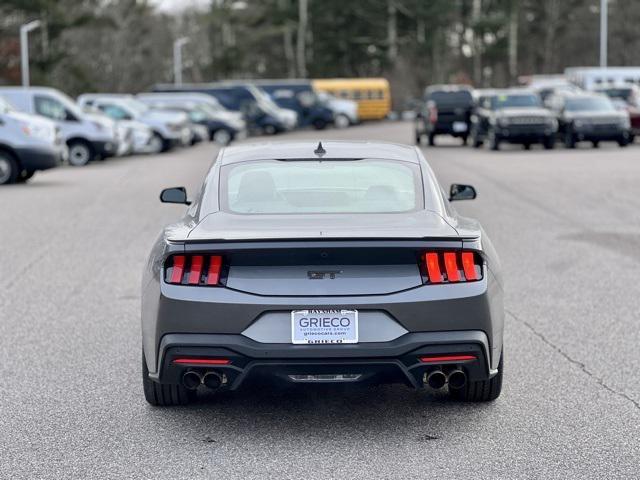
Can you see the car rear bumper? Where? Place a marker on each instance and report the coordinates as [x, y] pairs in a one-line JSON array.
[[397, 361]]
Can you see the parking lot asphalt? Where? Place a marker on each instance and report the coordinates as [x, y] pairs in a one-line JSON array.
[[566, 224]]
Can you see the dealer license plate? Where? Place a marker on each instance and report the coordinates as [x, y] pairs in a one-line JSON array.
[[324, 326]]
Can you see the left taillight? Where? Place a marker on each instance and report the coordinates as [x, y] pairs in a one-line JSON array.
[[197, 270], [451, 266]]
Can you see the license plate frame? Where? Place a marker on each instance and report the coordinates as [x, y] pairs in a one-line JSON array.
[[324, 327]]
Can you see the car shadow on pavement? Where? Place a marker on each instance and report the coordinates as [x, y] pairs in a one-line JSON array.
[[296, 411]]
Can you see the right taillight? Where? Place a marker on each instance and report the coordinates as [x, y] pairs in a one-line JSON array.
[[451, 266], [433, 114], [198, 269]]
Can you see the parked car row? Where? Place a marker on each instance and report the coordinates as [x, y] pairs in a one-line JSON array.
[[42, 127], [520, 116]]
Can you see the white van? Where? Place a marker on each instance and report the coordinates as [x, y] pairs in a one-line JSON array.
[[88, 137], [27, 144], [170, 129]]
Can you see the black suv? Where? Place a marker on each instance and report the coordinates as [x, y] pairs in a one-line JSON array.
[[446, 111], [512, 116], [590, 117]]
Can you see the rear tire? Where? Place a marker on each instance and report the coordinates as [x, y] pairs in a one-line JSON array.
[[8, 168], [549, 143], [625, 140], [341, 121], [569, 140], [80, 153], [482, 390], [160, 395], [25, 176], [494, 141], [222, 136]]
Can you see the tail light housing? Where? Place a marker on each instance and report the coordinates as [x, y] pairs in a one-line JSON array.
[[451, 266], [196, 270], [433, 114]]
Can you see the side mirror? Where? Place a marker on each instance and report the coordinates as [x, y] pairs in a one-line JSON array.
[[174, 195], [461, 192]]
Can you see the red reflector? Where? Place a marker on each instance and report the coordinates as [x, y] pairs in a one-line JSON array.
[[178, 269], [451, 265], [447, 358], [469, 266], [433, 267], [201, 361], [196, 269], [215, 265]]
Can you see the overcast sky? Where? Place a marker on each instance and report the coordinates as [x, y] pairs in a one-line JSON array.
[[179, 5]]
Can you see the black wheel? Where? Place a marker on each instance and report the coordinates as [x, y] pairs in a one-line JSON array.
[[432, 140], [569, 140], [482, 390], [25, 176], [549, 142], [269, 130], [595, 144], [527, 146], [160, 395], [80, 153], [475, 141], [9, 172], [341, 121], [222, 136], [494, 141], [625, 140], [319, 124], [156, 143]]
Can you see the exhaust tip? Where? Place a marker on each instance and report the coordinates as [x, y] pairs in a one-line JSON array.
[[457, 379], [436, 379], [212, 380], [191, 380]]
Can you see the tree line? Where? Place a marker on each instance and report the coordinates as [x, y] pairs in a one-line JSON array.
[[126, 45]]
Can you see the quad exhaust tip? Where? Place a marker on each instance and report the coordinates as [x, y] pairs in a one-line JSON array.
[[436, 379], [212, 380], [191, 380], [457, 379]]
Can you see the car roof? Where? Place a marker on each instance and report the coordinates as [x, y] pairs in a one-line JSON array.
[[305, 150]]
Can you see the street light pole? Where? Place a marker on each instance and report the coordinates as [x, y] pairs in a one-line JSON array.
[[177, 59], [24, 49], [603, 32]]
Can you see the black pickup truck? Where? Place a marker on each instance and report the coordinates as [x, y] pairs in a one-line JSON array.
[[446, 111]]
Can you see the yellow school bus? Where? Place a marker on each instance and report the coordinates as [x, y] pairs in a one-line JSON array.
[[371, 94]]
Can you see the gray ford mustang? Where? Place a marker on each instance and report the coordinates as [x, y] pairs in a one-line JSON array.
[[304, 262]]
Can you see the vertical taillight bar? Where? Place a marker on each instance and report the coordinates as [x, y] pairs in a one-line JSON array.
[[433, 267], [178, 269], [195, 270], [469, 266], [215, 265], [451, 266]]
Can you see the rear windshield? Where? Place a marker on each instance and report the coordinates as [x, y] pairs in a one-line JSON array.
[[460, 97], [623, 93], [586, 104], [321, 186]]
